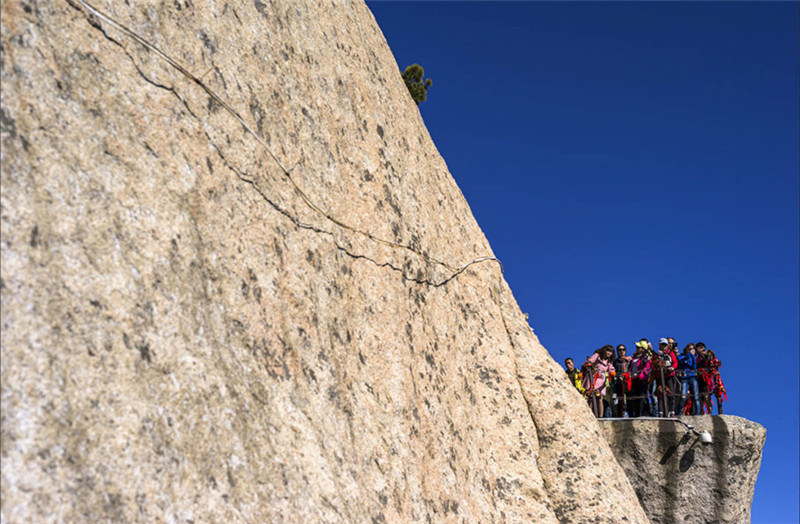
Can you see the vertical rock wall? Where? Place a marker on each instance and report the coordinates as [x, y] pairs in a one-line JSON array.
[[678, 479], [236, 286]]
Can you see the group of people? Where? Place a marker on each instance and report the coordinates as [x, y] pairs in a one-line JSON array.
[[650, 383]]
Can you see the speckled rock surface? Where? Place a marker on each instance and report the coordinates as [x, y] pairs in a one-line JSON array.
[[680, 480], [189, 335]]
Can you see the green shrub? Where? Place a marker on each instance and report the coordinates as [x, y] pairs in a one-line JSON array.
[[418, 88]]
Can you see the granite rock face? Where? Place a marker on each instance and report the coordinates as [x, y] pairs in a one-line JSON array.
[[233, 286], [678, 479]]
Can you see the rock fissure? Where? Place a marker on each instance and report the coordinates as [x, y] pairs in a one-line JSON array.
[[455, 271]]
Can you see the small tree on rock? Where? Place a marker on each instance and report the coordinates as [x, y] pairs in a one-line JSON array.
[[413, 79]]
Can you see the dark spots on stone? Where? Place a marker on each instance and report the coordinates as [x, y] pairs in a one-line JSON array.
[[383, 499], [538, 377], [559, 405], [387, 193], [739, 460], [506, 421], [378, 519], [410, 334], [7, 123], [212, 105], [34, 241], [231, 480], [362, 358], [112, 506], [207, 42], [258, 114], [261, 7], [368, 176], [333, 395], [430, 360], [489, 377], [380, 131], [278, 250], [144, 351], [449, 505], [210, 167], [95, 303], [504, 486], [126, 340], [396, 229], [414, 243]]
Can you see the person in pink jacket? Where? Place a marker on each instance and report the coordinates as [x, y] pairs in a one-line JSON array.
[[640, 374], [664, 365], [596, 371]]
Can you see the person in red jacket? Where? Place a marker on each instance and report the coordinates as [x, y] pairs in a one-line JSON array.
[[713, 381]]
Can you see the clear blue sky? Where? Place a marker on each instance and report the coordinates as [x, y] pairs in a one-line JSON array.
[[635, 167]]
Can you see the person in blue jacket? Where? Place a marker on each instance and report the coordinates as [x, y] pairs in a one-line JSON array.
[[687, 374]]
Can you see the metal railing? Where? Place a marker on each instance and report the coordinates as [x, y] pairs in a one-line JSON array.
[[658, 396]]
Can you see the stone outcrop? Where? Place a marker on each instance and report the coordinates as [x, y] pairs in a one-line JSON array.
[[678, 479], [240, 285]]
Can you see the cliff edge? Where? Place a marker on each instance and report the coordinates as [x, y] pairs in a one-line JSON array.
[[240, 285], [679, 479]]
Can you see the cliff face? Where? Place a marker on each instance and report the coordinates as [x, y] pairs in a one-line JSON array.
[[236, 286], [678, 479]]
